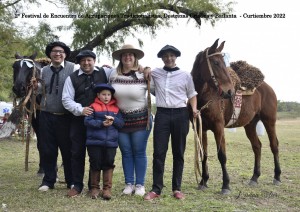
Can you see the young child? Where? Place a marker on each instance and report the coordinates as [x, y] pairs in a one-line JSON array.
[[102, 139]]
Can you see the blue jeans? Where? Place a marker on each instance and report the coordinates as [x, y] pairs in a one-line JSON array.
[[133, 147]]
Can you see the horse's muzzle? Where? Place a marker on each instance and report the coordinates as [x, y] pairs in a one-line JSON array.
[[20, 91], [227, 95]]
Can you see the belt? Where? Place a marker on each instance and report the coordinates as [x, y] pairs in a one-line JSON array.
[[58, 114], [165, 109]]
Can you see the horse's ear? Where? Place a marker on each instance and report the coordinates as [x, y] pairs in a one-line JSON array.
[[33, 56], [220, 48], [212, 49], [18, 56]]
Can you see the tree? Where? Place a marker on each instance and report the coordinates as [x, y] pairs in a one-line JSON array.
[[102, 25]]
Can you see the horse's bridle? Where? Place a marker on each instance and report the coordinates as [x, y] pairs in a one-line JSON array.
[[220, 90], [31, 92], [210, 68]]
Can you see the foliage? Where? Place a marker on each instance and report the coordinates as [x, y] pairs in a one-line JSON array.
[[19, 188], [105, 24], [288, 106], [40, 37], [9, 41], [105, 34]]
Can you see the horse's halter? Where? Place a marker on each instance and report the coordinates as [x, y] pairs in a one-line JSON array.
[[220, 90], [30, 64], [210, 68]]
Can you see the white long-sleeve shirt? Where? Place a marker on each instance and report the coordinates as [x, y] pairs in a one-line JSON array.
[[172, 88], [68, 94]]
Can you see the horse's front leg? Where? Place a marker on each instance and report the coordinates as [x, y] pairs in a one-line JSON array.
[[205, 175], [221, 148]]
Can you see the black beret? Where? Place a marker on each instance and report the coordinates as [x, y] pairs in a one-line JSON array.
[[85, 53], [51, 45], [168, 48], [103, 86]]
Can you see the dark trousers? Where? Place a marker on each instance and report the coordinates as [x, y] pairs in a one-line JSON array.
[[78, 138], [101, 158], [54, 134], [174, 122]]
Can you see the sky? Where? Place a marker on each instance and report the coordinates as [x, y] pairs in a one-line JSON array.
[[270, 44]]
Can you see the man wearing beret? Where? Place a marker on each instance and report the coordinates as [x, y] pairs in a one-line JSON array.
[[76, 98], [54, 118], [173, 87]]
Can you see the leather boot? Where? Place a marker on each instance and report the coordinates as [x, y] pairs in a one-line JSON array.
[[95, 180], [107, 183]]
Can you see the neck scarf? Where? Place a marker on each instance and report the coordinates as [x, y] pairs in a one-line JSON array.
[[55, 72], [170, 69]]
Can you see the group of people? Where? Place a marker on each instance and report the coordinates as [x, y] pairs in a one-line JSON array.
[[101, 109]]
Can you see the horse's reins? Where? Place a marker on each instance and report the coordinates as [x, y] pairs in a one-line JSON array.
[[149, 104], [199, 152], [31, 93]]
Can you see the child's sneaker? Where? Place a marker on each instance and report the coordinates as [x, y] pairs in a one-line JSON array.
[[139, 190], [129, 188]]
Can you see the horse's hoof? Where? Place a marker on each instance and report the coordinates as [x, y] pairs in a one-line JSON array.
[[225, 191], [202, 187], [276, 182], [252, 183]]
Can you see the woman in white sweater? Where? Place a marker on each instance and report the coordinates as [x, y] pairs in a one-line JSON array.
[[131, 88]]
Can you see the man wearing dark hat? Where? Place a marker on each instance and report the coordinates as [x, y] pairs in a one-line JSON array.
[[173, 87], [76, 98], [54, 118]]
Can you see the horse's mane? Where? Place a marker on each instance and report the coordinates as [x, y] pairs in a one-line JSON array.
[[234, 78], [196, 66], [43, 61]]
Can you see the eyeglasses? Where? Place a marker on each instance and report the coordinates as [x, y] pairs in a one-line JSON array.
[[57, 51]]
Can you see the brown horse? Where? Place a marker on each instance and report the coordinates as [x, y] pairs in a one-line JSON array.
[[214, 86]]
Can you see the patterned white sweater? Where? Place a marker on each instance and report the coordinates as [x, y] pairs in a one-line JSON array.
[[131, 98]]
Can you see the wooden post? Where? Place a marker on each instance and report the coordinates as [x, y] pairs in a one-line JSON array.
[[28, 131], [32, 93]]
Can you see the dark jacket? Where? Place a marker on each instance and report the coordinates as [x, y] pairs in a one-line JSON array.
[[83, 85], [97, 133]]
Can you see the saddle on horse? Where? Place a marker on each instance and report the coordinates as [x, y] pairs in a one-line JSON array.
[[246, 79]]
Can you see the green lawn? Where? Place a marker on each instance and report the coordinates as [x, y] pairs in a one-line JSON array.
[[18, 189]]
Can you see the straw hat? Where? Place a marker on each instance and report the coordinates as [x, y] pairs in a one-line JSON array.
[[127, 48]]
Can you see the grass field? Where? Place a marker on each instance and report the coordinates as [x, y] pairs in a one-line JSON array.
[[18, 189]]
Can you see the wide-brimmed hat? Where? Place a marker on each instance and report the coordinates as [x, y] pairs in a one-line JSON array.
[[85, 53], [103, 86], [127, 48], [168, 48], [51, 45]]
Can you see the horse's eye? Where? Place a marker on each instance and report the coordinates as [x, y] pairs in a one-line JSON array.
[[215, 62]]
